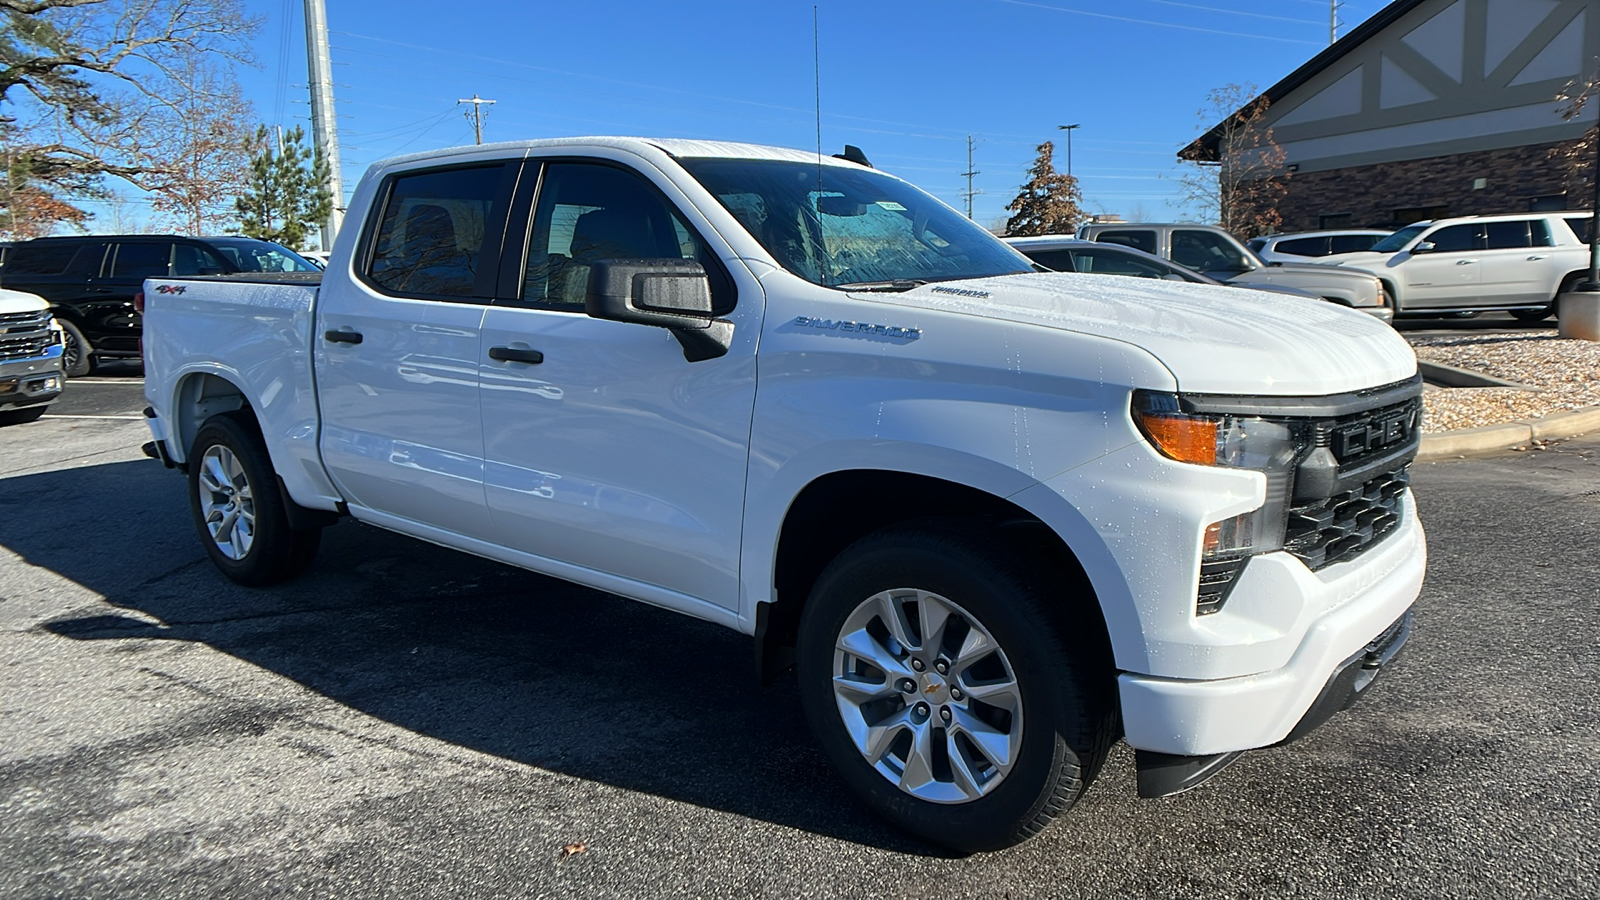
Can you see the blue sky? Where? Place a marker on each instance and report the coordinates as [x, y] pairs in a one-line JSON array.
[[905, 81]]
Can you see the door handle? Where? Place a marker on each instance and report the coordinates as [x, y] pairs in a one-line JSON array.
[[1537, 258], [342, 337], [515, 354], [1465, 262]]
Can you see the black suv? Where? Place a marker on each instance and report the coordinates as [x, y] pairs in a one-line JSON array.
[[90, 281]]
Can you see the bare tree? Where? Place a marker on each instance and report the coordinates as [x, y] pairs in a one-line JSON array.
[[1239, 173], [202, 161], [1577, 158], [1048, 203], [85, 80]]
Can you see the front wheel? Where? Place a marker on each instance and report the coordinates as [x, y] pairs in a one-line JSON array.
[[940, 689], [77, 354], [240, 516], [21, 416]]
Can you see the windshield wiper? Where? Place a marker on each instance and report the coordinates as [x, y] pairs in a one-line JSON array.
[[897, 285]]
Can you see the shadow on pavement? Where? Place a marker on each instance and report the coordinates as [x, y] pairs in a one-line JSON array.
[[480, 655]]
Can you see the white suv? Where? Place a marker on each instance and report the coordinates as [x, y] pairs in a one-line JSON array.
[[1518, 263], [1311, 246]]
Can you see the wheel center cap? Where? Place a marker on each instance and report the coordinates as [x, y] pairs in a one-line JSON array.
[[932, 688]]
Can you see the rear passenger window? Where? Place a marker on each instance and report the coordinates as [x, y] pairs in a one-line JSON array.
[[141, 261], [1054, 260], [1352, 243], [1508, 235], [1317, 246], [1581, 227], [435, 234], [187, 259], [1138, 240]]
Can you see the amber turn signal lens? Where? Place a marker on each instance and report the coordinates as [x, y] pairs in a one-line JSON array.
[[1189, 439]]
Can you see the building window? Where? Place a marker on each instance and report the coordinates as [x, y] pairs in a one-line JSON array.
[[1334, 222], [1406, 216], [1547, 203]]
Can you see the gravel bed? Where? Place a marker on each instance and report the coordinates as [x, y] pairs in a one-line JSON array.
[[1566, 373]]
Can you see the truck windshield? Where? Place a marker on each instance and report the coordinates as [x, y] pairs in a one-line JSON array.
[[1394, 242], [850, 228]]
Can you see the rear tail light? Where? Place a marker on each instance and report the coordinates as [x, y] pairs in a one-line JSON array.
[[138, 302]]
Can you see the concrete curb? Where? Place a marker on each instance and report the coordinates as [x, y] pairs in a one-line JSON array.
[[1492, 438]]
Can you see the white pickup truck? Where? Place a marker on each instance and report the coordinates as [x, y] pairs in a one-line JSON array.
[[996, 519]]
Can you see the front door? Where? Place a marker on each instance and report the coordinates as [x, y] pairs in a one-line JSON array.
[[613, 453], [1449, 275], [397, 350]]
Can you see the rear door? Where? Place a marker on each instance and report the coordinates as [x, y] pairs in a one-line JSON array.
[[607, 452], [114, 324], [397, 348], [1518, 265]]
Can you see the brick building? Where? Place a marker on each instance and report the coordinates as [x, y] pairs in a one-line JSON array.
[[1433, 108]]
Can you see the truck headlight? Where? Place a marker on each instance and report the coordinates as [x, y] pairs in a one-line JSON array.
[[1272, 447]]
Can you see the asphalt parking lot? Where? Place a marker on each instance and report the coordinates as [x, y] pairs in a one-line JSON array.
[[408, 720]]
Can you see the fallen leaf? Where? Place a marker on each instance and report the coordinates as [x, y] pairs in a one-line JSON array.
[[573, 850]]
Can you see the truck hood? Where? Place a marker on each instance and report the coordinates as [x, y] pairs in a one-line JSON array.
[[1213, 339], [18, 301]]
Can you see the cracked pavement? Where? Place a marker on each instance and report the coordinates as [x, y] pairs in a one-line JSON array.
[[409, 720]]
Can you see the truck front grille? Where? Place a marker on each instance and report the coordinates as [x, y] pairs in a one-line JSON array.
[[24, 335], [1344, 526]]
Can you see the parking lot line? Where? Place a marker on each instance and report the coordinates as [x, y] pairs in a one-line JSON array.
[[66, 416]]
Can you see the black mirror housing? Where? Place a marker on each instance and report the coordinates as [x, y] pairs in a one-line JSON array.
[[668, 293]]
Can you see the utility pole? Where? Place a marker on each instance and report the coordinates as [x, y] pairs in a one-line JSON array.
[[324, 132], [969, 193], [477, 114], [1069, 129], [1333, 20]]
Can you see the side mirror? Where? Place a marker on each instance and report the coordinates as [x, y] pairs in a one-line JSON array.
[[1424, 247], [674, 294]]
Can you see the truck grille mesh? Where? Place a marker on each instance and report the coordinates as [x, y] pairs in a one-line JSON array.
[[1345, 525], [24, 335]]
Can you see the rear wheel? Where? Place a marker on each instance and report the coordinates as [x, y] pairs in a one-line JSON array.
[[935, 682], [238, 511], [77, 355]]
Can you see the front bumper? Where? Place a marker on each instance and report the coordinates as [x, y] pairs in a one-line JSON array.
[[1362, 598], [31, 382]]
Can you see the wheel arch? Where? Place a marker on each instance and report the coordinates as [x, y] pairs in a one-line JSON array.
[[196, 397], [837, 509]]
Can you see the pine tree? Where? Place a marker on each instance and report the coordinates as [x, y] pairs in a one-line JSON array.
[[287, 190], [1048, 203]]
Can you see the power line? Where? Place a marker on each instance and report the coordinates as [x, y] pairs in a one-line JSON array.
[[1098, 15]]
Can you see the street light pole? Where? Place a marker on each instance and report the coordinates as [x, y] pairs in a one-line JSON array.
[[1069, 129]]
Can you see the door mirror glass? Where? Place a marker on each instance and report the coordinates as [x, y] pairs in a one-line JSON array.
[[1424, 247]]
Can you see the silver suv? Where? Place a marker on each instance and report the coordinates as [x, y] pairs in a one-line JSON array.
[[1217, 254], [1521, 263]]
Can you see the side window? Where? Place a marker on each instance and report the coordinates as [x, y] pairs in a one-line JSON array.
[[1203, 251], [1350, 243], [49, 259], [589, 212], [142, 260], [1317, 246], [187, 259], [1138, 240], [1508, 235], [435, 232], [1110, 262], [1054, 260], [1454, 239], [1581, 227], [1541, 233]]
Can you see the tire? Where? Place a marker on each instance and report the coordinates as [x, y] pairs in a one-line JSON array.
[[1048, 694], [77, 357], [21, 416], [238, 510], [1532, 315]]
